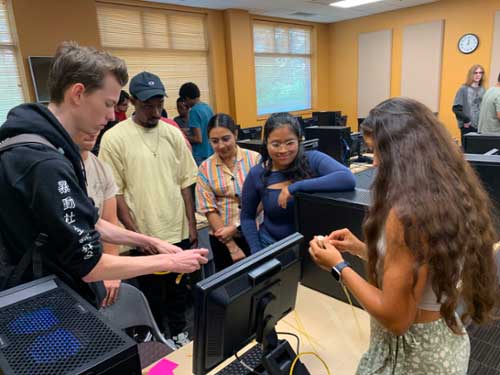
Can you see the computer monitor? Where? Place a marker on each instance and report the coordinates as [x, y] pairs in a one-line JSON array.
[[360, 121], [301, 122], [309, 122], [333, 140], [244, 302], [40, 68], [358, 147], [327, 118], [479, 143], [254, 132]]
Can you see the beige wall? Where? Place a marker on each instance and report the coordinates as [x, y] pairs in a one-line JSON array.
[[460, 17]]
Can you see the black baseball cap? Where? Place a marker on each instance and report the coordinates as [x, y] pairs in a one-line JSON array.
[[145, 85]]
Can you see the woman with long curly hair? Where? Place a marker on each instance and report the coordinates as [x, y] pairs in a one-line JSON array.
[[284, 170], [429, 244]]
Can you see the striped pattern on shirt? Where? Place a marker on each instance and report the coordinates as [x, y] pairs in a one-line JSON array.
[[218, 189]]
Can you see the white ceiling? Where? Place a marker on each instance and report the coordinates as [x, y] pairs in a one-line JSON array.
[[316, 10]]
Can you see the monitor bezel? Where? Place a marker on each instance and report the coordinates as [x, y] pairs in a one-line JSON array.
[[217, 280]]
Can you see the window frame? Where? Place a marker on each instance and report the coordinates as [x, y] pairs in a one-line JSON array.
[[13, 46], [166, 10], [311, 56]]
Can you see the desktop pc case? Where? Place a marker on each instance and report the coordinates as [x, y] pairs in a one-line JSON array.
[[487, 168], [327, 118], [46, 328], [333, 140], [320, 214], [479, 143]]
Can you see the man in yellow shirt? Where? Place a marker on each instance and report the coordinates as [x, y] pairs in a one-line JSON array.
[[154, 171]]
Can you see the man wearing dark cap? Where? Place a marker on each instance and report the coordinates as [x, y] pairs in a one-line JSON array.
[[154, 170]]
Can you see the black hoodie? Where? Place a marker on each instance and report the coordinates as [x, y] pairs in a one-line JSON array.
[[44, 191]]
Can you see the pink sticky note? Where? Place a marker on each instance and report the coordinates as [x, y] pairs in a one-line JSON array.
[[164, 367]]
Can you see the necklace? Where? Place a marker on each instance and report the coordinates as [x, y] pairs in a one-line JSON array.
[[155, 150]]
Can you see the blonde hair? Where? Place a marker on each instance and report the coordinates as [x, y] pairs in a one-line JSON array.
[[470, 75]]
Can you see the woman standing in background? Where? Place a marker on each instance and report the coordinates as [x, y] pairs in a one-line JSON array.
[[468, 101], [218, 190]]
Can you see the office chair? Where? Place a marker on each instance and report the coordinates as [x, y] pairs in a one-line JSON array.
[[131, 309]]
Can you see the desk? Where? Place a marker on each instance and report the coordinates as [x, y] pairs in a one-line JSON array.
[[332, 331]]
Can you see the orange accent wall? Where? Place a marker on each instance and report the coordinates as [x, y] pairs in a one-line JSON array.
[[460, 16], [42, 25]]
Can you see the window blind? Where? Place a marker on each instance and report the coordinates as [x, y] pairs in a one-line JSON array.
[[282, 67], [170, 44], [11, 92]]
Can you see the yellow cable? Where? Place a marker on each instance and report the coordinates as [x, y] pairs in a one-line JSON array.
[[352, 308], [302, 328], [301, 332], [178, 278], [292, 367]]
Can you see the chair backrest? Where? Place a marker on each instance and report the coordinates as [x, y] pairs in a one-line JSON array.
[[131, 309]]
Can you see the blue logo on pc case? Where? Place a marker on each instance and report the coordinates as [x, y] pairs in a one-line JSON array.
[[55, 346], [36, 321]]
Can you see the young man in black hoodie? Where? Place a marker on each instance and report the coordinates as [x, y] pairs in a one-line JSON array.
[[43, 190]]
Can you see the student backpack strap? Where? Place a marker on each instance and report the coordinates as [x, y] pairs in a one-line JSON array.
[[22, 139], [32, 255]]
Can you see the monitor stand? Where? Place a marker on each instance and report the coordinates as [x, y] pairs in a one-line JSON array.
[[278, 355]]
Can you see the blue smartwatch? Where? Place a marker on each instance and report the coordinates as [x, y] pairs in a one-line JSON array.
[[337, 270]]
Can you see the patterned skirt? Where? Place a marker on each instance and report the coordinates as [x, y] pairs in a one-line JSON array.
[[426, 348]]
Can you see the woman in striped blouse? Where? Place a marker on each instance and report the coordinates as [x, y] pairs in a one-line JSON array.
[[218, 190]]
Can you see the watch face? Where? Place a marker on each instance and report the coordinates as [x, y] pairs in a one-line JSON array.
[[468, 43], [335, 273]]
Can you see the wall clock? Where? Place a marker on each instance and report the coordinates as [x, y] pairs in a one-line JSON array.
[[468, 43]]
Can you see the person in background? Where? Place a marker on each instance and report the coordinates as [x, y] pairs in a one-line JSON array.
[[121, 108], [218, 190], [155, 171], [489, 116], [285, 170], [199, 115], [468, 101], [183, 119], [424, 255], [101, 187]]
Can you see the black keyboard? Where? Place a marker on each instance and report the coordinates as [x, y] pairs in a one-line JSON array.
[[252, 358]]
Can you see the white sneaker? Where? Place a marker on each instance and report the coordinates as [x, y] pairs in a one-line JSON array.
[[181, 339]]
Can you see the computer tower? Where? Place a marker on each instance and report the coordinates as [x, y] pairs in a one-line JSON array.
[[254, 132], [333, 140], [327, 118], [479, 143], [320, 214], [488, 169], [48, 329]]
